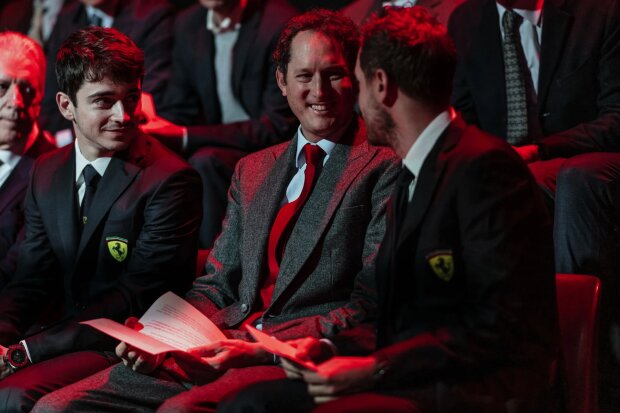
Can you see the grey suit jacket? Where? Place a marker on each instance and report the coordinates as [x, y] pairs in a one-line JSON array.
[[326, 281]]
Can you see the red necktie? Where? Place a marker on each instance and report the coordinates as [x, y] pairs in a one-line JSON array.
[[286, 218]]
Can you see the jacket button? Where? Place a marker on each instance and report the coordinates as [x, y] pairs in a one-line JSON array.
[[244, 307]]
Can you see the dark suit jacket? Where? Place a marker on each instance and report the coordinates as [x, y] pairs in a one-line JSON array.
[[12, 195], [148, 198], [147, 22], [192, 99], [578, 84], [15, 15], [488, 328], [326, 280]]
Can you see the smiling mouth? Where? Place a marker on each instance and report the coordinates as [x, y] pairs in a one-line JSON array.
[[320, 108]]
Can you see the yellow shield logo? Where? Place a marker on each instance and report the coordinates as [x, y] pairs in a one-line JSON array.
[[118, 248], [442, 264]]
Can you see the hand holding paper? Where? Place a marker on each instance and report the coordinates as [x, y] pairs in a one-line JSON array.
[[279, 348], [170, 324]]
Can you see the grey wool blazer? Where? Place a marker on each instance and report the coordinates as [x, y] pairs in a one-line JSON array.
[[326, 281]]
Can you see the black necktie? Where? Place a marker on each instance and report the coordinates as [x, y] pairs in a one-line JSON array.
[[402, 195], [91, 179], [95, 20], [514, 70]]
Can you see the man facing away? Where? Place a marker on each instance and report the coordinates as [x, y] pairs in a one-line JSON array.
[[22, 79], [111, 224], [297, 252], [467, 316]]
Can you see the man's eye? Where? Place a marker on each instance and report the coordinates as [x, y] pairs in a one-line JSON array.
[[103, 103], [3, 88], [304, 77]]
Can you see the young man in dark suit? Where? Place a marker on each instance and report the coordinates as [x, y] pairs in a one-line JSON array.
[[147, 22], [467, 316], [111, 224], [223, 102], [297, 252], [22, 79]]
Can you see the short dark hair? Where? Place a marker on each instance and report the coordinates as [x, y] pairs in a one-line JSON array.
[[413, 49], [334, 25], [90, 54]]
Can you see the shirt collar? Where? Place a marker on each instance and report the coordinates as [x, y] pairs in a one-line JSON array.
[[231, 23], [426, 141], [9, 158], [532, 16], [107, 20], [300, 157], [100, 164]]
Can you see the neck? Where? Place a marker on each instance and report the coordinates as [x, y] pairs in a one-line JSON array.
[[108, 7], [232, 11], [411, 118], [90, 153]]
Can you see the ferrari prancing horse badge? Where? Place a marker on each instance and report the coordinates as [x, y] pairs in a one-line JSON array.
[[442, 264], [118, 248]]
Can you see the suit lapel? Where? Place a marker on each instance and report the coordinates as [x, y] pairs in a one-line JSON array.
[[555, 27], [204, 72], [346, 162], [64, 200], [16, 184], [488, 42], [120, 173], [429, 176], [247, 37], [264, 209]]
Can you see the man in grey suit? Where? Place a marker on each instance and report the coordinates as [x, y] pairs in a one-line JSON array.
[[297, 252]]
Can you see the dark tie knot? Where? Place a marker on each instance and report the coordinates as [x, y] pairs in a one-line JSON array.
[[91, 176], [511, 22], [314, 154], [404, 177]]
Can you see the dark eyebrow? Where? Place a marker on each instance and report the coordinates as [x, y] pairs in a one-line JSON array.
[[106, 93]]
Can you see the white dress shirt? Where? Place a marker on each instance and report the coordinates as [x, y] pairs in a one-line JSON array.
[[225, 35], [106, 19], [417, 154], [293, 190], [100, 165]]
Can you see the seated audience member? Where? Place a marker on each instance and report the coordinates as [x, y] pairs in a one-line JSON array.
[[559, 106], [223, 101], [297, 251], [359, 10], [147, 22], [111, 224], [467, 317], [22, 79], [36, 18]]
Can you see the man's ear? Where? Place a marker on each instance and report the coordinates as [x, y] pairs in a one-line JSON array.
[[281, 78], [65, 106], [384, 88]]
